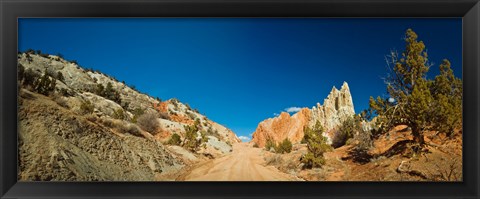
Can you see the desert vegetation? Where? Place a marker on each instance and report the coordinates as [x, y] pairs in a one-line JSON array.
[[415, 129], [411, 133], [421, 104], [316, 145]]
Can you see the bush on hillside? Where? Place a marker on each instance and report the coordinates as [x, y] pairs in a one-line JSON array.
[[149, 122], [362, 142], [284, 147], [45, 84], [137, 112], [133, 130], [119, 114], [87, 107], [270, 144], [192, 142], [175, 140], [164, 115], [347, 129], [316, 145], [108, 92]]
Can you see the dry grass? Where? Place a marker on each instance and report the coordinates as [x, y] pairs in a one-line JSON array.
[[149, 122]]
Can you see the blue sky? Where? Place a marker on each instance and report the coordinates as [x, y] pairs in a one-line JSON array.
[[240, 71]]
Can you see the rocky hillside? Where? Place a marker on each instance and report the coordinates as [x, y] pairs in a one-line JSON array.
[[89, 126], [336, 107]]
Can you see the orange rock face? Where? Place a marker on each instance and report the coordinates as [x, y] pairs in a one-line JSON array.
[[336, 107], [182, 119], [162, 107], [281, 127]]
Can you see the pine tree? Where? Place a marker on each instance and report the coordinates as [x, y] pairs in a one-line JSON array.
[[408, 90], [316, 145], [447, 92], [415, 101]]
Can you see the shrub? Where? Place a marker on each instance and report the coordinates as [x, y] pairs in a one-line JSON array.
[[310, 160], [125, 105], [362, 142], [212, 132], [164, 115], [45, 85], [274, 160], [29, 58], [270, 144], [119, 114], [149, 122], [346, 131], [112, 94], [65, 92], [29, 77], [59, 55], [284, 147], [91, 118], [192, 142], [87, 107], [174, 140], [20, 72], [137, 112], [60, 77], [107, 122], [30, 51], [191, 115], [99, 90], [316, 145], [59, 100], [174, 102], [133, 130], [108, 92], [255, 145]]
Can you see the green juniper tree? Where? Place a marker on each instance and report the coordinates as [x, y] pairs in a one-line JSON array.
[[316, 145], [415, 101], [447, 93], [45, 84], [191, 140]]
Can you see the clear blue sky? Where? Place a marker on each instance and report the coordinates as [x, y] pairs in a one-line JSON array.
[[239, 72]]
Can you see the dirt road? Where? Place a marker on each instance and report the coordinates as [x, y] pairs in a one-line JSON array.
[[245, 163]]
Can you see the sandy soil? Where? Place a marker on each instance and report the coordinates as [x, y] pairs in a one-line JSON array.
[[245, 163]]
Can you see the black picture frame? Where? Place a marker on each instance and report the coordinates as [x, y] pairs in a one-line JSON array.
[[10, 10]]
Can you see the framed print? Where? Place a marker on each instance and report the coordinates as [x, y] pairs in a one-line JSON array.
[[323, 99]]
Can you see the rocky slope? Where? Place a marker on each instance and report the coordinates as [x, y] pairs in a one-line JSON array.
[[56, 144], [58, 141], [336, 107], [389, 159]]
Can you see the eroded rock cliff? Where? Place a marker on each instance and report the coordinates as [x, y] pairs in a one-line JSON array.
[[336, 107]]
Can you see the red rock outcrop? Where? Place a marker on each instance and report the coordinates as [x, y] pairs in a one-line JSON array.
[[281, 127], [336, 107]]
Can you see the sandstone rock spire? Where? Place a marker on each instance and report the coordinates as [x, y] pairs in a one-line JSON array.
[[337, 106]]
